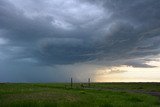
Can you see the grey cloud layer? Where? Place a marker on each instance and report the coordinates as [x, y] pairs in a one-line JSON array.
[[67, 32]]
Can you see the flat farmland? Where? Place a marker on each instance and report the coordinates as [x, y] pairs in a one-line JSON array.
[[80, 95]]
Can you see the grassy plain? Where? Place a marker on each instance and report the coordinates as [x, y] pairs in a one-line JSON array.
[[61, 95]]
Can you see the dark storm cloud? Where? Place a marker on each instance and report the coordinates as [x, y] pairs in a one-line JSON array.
[[134, 30], [27, 34], [68, 32]]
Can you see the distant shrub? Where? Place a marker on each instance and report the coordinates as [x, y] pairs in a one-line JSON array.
[[140, 87]]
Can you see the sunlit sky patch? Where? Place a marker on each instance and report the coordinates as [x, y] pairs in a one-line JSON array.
[[54, 40]]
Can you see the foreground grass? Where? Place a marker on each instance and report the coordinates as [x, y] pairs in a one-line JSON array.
[[55, 95]]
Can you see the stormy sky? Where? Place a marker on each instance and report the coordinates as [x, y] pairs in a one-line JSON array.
[[53, 40]]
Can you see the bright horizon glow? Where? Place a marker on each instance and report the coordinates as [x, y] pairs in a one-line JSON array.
[[130, 74]]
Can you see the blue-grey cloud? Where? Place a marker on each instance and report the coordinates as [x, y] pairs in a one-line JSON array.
[[59, 32]]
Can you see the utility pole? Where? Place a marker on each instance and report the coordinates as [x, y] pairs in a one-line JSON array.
[[89, 82], [71, 82]]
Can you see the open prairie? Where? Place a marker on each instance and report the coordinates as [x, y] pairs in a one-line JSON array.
[[80, 95]]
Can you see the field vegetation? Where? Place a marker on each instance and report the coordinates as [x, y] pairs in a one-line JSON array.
[[80, 95]]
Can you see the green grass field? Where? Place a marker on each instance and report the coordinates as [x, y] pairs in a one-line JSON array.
[[98, 95]]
